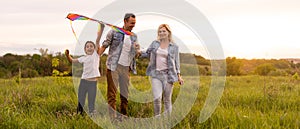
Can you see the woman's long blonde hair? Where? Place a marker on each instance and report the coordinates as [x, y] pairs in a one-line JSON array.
[[168, 29]]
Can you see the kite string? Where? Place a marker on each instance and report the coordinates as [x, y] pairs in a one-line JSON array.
[[74, 31]]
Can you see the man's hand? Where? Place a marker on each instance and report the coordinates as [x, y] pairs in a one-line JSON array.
[[136, 46]]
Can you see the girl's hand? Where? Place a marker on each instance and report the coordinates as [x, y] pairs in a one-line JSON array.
[[100, 27], [67, 52]]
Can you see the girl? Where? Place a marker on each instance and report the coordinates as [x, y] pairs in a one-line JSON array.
[[88, 82]]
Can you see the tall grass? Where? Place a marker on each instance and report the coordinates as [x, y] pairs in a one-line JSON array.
[[247, 102]]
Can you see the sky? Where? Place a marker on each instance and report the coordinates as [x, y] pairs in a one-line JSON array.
[[246, 28]]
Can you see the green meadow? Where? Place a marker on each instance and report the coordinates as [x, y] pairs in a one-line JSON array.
[[262, 102]]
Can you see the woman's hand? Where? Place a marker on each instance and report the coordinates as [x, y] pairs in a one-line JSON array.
[[180, 80], [137, 48]]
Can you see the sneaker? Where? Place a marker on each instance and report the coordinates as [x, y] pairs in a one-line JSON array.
[[93, 113], [79, 109]]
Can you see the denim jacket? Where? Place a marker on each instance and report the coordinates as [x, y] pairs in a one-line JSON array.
[[172, 61], [115, 40]]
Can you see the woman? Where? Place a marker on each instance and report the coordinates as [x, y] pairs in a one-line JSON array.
[[164, 68]]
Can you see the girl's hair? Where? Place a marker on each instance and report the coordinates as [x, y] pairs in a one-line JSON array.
[[89, 42], [168, 29]]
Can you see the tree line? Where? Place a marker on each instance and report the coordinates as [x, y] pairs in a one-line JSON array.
[[44, 64], [265, 67]]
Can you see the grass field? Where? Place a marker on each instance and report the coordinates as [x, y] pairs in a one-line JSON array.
[[247, 102]]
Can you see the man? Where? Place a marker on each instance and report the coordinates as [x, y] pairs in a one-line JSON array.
[[120, 60]]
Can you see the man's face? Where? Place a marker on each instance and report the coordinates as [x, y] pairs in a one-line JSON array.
[[129, 23]]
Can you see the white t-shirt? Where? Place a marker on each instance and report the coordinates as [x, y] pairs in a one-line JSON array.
[[161, 59], [90, 65], [124, 57]]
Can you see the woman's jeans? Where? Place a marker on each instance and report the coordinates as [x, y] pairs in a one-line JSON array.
[[160, 87]]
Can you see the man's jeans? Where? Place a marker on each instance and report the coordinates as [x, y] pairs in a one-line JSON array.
[[120, 77]]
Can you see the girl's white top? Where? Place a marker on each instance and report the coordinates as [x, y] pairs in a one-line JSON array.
[[90, 65]]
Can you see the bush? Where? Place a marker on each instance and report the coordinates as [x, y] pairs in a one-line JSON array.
[[264, 69], [4, 73], [278, 73], [296, 76], [189, 70], [29, 73]]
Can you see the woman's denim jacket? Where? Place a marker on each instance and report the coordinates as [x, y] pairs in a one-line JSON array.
[[172, 61]]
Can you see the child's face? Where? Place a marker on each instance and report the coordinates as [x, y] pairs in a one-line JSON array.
[[89, 48]]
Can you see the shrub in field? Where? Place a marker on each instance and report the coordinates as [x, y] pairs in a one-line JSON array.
[[264, 69], [278, 72], [233, 66], [29, 73], [296, 76]]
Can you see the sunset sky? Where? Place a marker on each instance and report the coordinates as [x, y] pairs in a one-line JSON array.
[[246, 28]]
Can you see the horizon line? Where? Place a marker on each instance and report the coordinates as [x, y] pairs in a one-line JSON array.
[[244, 58]]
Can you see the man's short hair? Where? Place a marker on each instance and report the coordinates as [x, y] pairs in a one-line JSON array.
[[128, 15]]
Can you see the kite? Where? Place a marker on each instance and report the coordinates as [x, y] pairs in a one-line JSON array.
[[73, 17]]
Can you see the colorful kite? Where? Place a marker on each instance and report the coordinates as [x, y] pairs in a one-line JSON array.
[[73, 17]]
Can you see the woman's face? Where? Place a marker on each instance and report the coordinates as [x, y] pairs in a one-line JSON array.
[[89, 48], [163, 33]]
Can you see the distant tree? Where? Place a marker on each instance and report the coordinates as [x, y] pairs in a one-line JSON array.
[[2, 65], [281, 64], [8, 59], [14, 67], [35, 62], [264, 69], [298, 65], [201, 60], [55, 67], [233, 66], [187, 58], [64, 66], [29, 73], [46, 66], [278, 72], [191, 70], [44, 52], [4, 73]]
